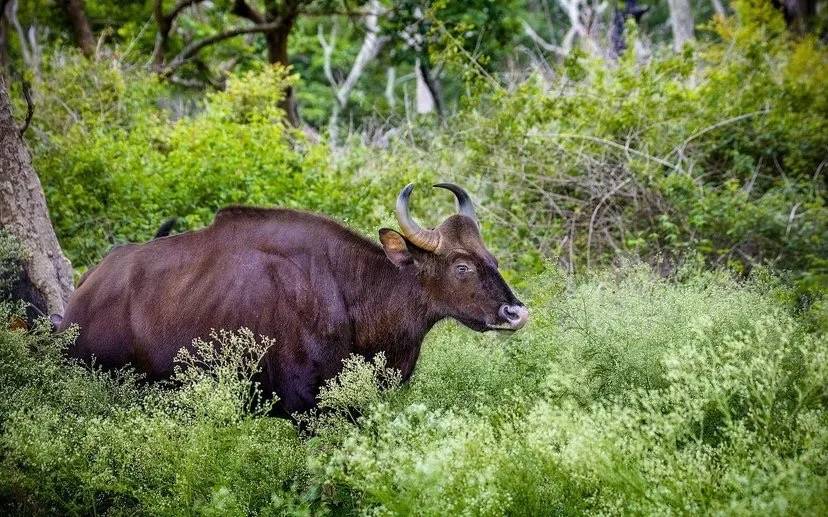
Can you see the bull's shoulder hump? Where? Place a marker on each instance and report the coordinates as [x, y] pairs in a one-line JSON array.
[[239, 213], [243, 213], [114, 256], [315, 226]]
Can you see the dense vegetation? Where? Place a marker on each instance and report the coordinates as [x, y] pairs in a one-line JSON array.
[[663, 216], [626, 393], [717, 152]]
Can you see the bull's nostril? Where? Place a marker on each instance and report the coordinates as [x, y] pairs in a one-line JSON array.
[[508, 312], [505, 312], [516, 315]]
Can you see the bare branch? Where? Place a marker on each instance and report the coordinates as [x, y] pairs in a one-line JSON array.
[[28, 42], [187, 83], [165, 24], [327, 52], [680, 148], [791, 218], [371, 46], [196, 46], [327, 13], [595, 213], [391, 78], [542, 43], [616, 145], [180, 6]]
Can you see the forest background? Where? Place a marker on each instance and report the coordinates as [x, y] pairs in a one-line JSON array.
[[651, 175]]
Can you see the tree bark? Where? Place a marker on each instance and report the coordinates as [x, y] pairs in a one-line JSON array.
[[165, 24], [76, 12], [681, 20], [277, 52], [47, 279], [798, 13], [276, 40], [618, 40]]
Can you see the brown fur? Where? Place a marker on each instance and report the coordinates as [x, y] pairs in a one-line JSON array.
[[320, 290]]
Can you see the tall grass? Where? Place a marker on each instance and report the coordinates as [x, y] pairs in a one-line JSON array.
[[627, 393]]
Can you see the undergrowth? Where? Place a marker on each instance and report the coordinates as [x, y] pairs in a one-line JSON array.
[[626, 393]]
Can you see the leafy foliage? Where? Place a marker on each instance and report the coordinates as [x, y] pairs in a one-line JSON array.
[[76, 440], [629, 392], [626, 392], [717, 152], [714, 151], [128, 165]]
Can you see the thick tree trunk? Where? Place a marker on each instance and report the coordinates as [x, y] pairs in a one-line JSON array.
[[681, 20], [277, 52], [76, 12], [47, 279]]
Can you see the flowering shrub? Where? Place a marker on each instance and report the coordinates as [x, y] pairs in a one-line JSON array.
[[625, 393]]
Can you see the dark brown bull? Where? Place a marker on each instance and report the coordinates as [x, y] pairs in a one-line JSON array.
[[319, 289]]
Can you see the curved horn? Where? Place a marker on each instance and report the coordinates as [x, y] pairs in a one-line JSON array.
[[420, 237], [464, 202]]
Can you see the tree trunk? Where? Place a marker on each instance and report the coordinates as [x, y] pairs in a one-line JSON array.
[[47, 281], [5, 60], [159, 52], [619, 19], [76, 12], [798, 13], [681, 20], [277, 52]]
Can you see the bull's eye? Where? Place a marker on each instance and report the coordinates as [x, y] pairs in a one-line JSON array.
[[462, 268]]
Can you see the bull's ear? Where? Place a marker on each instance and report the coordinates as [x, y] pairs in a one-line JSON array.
[[395, 247]]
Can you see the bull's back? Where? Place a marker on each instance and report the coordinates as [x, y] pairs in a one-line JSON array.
[[279, 273], [100, 309], [143, 303]]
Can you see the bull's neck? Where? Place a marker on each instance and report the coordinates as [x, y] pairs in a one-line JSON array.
[[389, 310]]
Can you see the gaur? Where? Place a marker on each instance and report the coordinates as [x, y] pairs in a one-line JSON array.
[[320, 290]]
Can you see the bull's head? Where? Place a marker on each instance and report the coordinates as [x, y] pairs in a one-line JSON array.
[[454, 267]]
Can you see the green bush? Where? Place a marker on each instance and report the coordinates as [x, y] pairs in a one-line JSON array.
[[626, 393], [115, 165], [12, 255], [78, 441], [715, 152], [718, 151]]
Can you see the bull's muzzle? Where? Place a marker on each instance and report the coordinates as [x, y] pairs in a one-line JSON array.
[[515, 316]]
